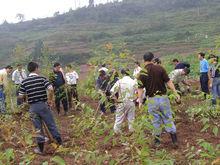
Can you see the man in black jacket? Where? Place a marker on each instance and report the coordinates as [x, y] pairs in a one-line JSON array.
[[58, 81]]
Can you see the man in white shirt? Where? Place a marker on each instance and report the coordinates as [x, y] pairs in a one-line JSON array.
[[17, 77], [125, 88], [178, 76], [72, 79], [3, 86]]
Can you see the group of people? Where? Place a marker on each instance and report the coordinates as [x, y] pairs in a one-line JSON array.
[[65, 85], [41, 94], [210, 76], [147, 86]]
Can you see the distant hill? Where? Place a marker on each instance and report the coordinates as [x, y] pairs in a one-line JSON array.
[[162, 26]]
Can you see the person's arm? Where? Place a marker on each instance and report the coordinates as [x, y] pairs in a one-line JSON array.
[[50, 92], [140, 98], [140, 89], [114, 89], [50, 95], [5, 80], [186, 83], [77, 77], [22, 92], [172, 87], [13, 76], [209, 73], [25, 74]]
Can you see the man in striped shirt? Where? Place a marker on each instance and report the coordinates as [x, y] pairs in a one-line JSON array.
[[36, 88]]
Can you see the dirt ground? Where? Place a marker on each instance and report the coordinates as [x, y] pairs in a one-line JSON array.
[[188, 131]]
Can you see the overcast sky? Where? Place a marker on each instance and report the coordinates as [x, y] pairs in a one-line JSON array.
[[38, 8]]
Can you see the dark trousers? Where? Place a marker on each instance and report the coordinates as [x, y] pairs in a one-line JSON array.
[[72, 94], [61, 96], [204, 82], [40, 112]]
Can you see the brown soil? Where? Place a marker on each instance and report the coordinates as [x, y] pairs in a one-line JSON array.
[[188, 132]]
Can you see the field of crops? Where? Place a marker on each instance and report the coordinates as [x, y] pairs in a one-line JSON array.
[[89, 139]]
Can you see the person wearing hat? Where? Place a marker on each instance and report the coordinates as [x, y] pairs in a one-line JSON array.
[[3, 86], [103, 67], [125, 87], [154, 79]]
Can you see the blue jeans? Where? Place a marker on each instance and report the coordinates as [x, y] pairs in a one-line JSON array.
[[215, 90], [160, 110], [2, 100], [40, 112]]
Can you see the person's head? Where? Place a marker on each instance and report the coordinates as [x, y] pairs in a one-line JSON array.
[[148, 57], [102, 73], [57, 67], [9, 69], [175, 61], [215, 60], [157, 61], [186, 71], [19, 66], [103, 65], [33, 67], [137, 64], [69, 67], [125, 72], [211, 56], [201, 55]]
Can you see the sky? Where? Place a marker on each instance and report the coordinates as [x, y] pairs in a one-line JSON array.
[[38, 8]]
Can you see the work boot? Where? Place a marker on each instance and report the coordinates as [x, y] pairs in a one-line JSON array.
[[40, 149], [59, 140], [157, 141], [174, 139]]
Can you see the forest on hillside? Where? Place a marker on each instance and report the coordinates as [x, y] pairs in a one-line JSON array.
[[141, 25]]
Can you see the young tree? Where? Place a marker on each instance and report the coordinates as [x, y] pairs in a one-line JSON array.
[[19, 53], [38, 51]]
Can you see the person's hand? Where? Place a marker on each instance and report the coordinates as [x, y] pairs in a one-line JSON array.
[[139, 103], [51, 103], [178, 99]]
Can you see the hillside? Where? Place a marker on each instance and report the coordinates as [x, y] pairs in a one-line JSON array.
[[162, 26]]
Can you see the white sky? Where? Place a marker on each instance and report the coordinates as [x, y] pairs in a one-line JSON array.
[[38, 8]]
